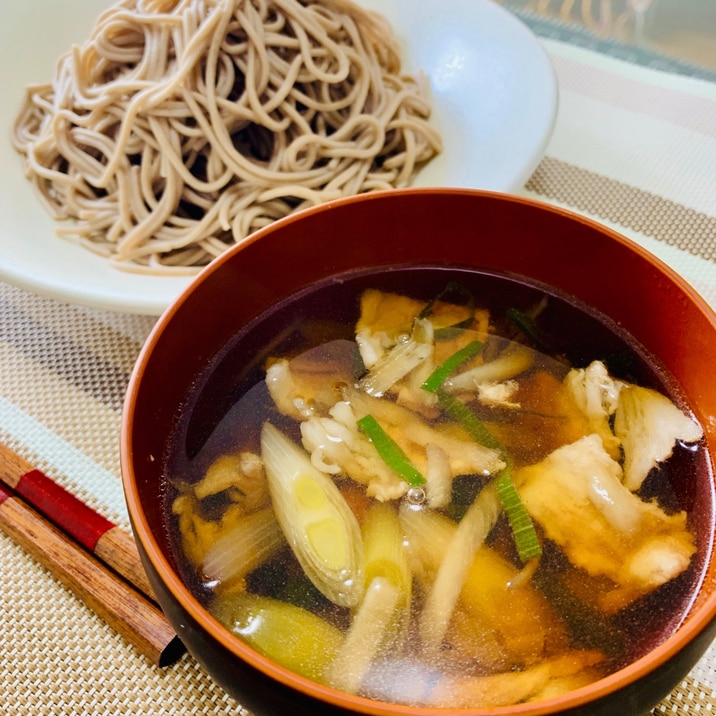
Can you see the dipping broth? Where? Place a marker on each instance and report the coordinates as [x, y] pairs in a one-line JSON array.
[[424, 486]]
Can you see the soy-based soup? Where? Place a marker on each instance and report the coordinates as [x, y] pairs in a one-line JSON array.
[[438, 487]]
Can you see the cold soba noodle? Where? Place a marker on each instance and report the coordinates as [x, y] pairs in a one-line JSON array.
[[181, 126], [438, 487]]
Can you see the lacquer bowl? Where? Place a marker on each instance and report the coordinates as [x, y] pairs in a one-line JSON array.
[[465, 228]]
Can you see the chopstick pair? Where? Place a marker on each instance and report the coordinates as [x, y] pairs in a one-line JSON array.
[[89, 554]]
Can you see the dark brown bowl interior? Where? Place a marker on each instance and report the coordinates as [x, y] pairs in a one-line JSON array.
[[422, 226]]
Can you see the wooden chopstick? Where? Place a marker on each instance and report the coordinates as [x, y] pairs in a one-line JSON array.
[[60, 531], [129, 612], [94, 532]]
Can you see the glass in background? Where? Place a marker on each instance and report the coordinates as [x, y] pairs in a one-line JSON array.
[[683, 29]]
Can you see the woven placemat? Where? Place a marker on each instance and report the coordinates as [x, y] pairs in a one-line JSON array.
[[64, 373]]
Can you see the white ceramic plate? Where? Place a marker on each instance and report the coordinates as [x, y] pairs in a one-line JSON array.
[[495, 99]]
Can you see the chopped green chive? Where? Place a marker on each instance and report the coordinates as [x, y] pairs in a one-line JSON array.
[[463, 415], [440, 374], [390, 452], [523, 529]]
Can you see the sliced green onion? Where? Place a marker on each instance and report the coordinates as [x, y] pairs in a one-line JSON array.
[[391, 453], [294, 637], [243, 547], [509, 364], [468, 537], [447, 333], [314, 516], [523, 529], [400, 360], [364, 640], [385, 554], [438, 376]]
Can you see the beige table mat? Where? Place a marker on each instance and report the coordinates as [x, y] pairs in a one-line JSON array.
[[634, 147]]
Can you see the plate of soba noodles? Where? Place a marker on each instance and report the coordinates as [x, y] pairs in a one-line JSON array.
[[143, 138]]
